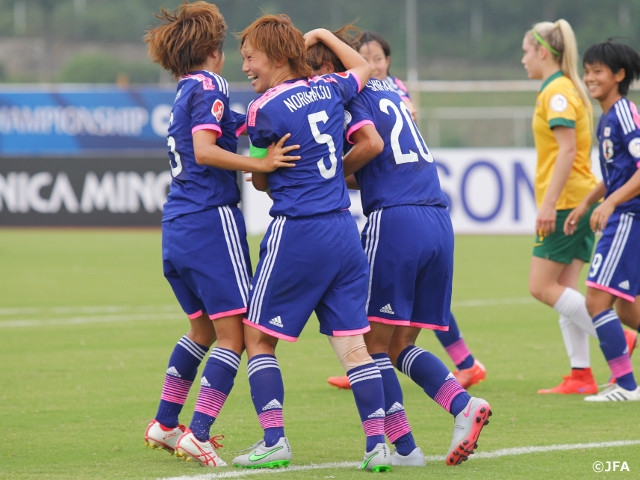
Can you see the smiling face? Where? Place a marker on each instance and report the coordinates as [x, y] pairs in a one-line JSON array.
[[378, 61], [258, 68], [602, 83], [531, 58]]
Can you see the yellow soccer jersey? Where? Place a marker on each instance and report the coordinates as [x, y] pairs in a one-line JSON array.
[[559, 105]]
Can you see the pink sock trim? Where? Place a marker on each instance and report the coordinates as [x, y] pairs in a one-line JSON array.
[[447, 393], [458, 351]]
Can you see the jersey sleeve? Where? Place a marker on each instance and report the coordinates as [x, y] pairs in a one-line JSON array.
[[561, 109], [356, 116], [630, 131], [208, 106]]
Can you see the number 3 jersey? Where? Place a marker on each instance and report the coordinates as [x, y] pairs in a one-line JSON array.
[[201, 102], [404, 173], [619, 140], [312, 110]]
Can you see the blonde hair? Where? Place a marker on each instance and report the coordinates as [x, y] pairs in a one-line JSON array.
[[560, 38]]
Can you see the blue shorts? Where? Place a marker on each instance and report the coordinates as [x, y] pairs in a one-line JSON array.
[[615, 267], [306, 264], [410, 252], [206, 260]]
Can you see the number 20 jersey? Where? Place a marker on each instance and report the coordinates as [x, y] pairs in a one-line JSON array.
[[405, 172], [312, 110]]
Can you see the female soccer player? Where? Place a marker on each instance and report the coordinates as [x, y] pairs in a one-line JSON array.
[[408, 240], [469, 371], [310, 257], [562, 133], [614, 277], [204, 247]]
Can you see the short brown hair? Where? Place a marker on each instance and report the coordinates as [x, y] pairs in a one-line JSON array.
[[319, 53], [279, 39], [183, 39]]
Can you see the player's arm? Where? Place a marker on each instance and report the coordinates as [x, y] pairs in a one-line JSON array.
[[352, 183], [352, 60], [566, 139], [626, 192], [207, 152], [367, 144]]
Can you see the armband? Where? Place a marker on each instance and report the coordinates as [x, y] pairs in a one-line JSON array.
[[256, 152]]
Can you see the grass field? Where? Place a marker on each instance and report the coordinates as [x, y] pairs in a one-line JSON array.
[[87, 323]]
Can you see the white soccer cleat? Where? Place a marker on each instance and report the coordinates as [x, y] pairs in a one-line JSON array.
[[260, 456], [466, 430], [615, 393], [378, 459], [190, 448], [414, 459], [159, 436]]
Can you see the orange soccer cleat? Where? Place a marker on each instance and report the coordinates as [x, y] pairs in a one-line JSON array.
[[580, 382], [468, 377], [340, 382]]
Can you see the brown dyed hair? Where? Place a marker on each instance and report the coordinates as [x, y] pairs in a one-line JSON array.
[[184, 39], [319, 53], [279, 39]]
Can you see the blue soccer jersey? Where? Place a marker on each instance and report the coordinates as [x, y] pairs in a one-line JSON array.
[[397, 86], [201, 102], [619, 141], [312, 110], [404, 173]]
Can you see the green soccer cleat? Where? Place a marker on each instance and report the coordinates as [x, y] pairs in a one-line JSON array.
[[260, 456]]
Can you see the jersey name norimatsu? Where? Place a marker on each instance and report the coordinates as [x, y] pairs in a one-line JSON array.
[[299, 100]]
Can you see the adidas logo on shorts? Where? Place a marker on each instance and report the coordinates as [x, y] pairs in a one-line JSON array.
[[276, 321], [387, 309], [624, 285]]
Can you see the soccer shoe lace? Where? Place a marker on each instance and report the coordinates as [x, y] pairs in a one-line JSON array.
[[579, 382], [378, 459], [467, 377], [260, 456], [615, 393], [340, 382], [158, 436], [414, 459], [190, 448], [466, 430]]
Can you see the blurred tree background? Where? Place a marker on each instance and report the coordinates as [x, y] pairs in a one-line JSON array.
[[99, 41]]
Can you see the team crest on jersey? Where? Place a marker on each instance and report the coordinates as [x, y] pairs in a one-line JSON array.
[[607, 149], [634, 148], [347, 118], [607, 131], [217, 109], [558, 103]]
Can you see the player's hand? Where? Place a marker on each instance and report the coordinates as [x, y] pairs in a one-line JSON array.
[[313, 36], [600, 216], [572, 220], [277, 155], [546, 221]]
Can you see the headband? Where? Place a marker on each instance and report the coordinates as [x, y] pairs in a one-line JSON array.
[[544, 43]]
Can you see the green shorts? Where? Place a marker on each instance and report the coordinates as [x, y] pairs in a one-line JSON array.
[[562, 248]]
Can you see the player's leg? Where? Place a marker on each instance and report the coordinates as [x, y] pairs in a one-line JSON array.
[[430, 373], [164, 430], [469, 371], [614, 348], [544, 285], [217, 380]]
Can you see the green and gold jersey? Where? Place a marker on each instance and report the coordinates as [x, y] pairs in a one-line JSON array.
[[559, 105]]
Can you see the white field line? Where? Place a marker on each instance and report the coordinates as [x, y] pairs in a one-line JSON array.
[[38, 317], [506, 452]]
